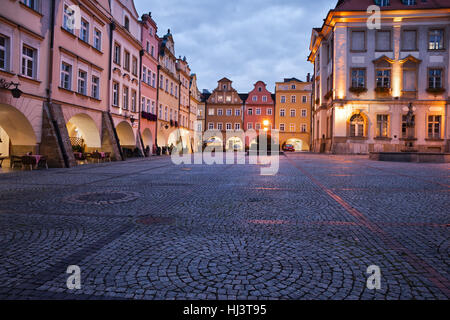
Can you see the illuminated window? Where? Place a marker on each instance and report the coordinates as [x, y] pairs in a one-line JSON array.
[[357, 126], [382, 125], [434, 127]]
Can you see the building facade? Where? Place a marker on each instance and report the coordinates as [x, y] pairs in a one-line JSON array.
[[184, 76], [293, 113], [259, 112], [224, 115], [194, 102], [366, 78], [124, 93], [168, 94], [149, 83], [24, 60]]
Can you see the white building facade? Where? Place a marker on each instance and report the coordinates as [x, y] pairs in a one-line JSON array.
[[365, 78]]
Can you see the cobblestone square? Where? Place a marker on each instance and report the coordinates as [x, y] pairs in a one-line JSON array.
[[148, 229]]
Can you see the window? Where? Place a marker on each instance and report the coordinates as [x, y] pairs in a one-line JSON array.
[[283, 99], [95, 87], [33, 4], [97, 40], [404, 127], [115, 94], [166, 114], [237, 112], [68, 19], [436, 39], [160, 111], [249, 126], [126, 63], [82, 79], [383, 78], [357, 126], [143, 104], [282, 112], [153, 80], [133, 100], [229, 126], [237, 126], [144, 74], [153, 107], [382, 125], [126, 23], [210, 112], [152, 52], [409, 40], [264, 98], [66, 76], [304, 127], [258, 111], [220, 112], [84, 31], [117, 53], [125, 98], [210, 126], [254, 98], [383, 40], [4, 53], [382, 3], [229, 112], [435, 79], [269, 111], [281, 126], [292, 127], [257, 126], [293, 113], [171, 88], [228, 98], [293, 87], [434, 127], [358, 78], [409, 79], [410, 2], [304, 99], [135, 66], [28, 61], [304, 113], [293, 99], [358, 40], [250, 111]]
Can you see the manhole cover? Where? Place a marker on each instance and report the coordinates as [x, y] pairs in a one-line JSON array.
[[105, 197], [155, 220]]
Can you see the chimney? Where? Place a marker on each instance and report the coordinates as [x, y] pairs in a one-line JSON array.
[[308, 77]]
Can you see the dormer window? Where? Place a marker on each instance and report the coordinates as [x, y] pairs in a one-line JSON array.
[[127, 23]]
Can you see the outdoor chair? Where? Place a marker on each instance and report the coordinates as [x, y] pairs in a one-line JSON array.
[[28, 161], [107, 156], [97, 156], [43, 162], [15, 161]]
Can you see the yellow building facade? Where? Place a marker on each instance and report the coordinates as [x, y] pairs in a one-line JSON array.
[[293, 113]]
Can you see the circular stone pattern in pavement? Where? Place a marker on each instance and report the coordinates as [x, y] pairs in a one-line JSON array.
[[102, 198]]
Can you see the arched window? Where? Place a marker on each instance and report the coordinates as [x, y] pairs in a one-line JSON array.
[[357, 126]]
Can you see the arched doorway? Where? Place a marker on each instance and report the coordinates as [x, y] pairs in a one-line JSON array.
[[298, 144], [16, 132], [83, 133], [235, 144], [126, 135], [147, 138]]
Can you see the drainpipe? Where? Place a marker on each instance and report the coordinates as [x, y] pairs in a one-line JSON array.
[[112, 27], [141, 54], [157, 104]]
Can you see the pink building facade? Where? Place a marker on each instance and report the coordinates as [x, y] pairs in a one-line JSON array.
[[149, 82], [259, 110]]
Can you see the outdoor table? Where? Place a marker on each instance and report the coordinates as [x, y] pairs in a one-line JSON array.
[[38, 158], [78, 155]]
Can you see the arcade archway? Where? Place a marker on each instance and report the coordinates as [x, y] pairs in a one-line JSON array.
[[126, 135], [83, 131], [147, 138], [16, 132]]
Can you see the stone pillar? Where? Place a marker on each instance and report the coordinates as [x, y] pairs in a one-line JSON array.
[[55, 138], [109, 137]]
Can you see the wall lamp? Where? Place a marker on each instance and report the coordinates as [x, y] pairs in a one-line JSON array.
[[16, 93]]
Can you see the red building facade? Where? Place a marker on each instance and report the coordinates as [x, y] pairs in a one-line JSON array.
[[149, 81], [259, 110]]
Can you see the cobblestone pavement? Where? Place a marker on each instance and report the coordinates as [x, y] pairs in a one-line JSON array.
[[148, 229]]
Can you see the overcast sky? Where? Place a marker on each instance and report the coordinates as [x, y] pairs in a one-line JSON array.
[[243, 40]]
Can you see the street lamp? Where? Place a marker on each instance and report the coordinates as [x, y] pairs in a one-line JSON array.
[[132, 119], [16, 93]]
